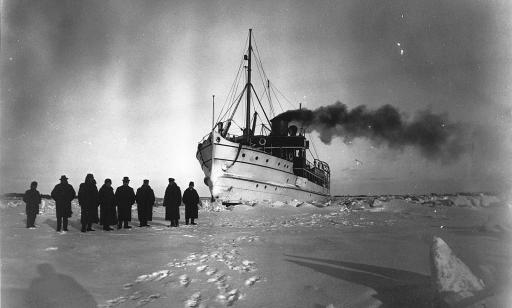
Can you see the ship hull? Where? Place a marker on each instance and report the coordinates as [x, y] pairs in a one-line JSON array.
[[237, 173]]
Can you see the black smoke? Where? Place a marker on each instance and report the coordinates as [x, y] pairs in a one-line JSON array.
[[433, 135]]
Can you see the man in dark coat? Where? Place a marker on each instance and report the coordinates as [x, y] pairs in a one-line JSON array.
[[172, 202], [191, 200], [32, 199], [145, 198], [63, 194], [124, 199], [89, 202], [108, 215]]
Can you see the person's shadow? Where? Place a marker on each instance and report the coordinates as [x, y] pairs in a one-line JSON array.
[[394, 287], [72, 223], [52, 289]]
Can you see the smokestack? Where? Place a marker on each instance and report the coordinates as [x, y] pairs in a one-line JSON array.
[[431, 134]]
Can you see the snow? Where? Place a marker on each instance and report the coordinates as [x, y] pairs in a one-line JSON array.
[[450, 273], [366, 251]]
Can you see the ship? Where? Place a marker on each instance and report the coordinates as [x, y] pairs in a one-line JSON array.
[[273, 164]]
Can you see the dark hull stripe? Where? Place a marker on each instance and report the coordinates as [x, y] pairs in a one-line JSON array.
[[243, 162], [266, 183]]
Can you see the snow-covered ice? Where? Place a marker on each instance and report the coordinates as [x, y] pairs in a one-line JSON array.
[[350, 252]]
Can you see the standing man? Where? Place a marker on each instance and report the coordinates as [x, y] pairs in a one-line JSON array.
[[124, 198], [145, 198], [63, 194], [172, 202], [88, 200], [108, 215], [32, 199], [191, 200]]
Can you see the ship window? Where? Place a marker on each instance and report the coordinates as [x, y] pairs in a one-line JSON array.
[[287, 180], [257, 185], [265, 186], [217, 139], [266, 160], [243, 154], [279, 164], [275, 188], [256, 157]]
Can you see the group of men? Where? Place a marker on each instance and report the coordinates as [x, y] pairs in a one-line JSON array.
[[115, 208]]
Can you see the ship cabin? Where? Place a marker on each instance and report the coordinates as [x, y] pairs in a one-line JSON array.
[[286, 141]]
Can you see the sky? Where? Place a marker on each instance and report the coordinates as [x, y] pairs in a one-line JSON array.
[[123, 88]]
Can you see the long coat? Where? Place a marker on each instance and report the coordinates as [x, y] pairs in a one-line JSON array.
[[191, 200], [172, 202], [63, 194], [145, 198], [32, 199], [124, 199], [88, 200], [108, 213]]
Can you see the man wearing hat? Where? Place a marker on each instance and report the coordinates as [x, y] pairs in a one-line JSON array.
[[191, 200], [63, 193], [172, 202], [124, 198], [145, 198], [108, 215], [32, 199]]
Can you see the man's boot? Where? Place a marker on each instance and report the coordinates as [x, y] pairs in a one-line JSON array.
[[126, 226], [193, 223], [186, 221], [89, 227], [84, 229], [119, 225]]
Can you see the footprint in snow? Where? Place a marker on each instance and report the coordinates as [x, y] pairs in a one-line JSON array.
[[128, 286], [184, 280], [201, 268], [230, 298], [211, 271], [135, 296], [193, 301], [252, 280]]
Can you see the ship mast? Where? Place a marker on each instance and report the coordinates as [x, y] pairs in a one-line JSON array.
[[248, 89]]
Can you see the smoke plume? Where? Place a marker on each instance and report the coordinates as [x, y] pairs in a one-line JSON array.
[[431, 134]]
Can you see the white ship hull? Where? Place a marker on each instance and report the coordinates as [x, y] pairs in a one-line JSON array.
[[237, 173]]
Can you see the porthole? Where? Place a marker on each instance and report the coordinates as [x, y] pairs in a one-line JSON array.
[[256, 158], [287, 180], [265, 186], [217, 139], [275, 188], [266, 160], [243, 154], [257, 185], [279, 164]]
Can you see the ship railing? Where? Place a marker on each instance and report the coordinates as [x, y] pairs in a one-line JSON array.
[[322, 180]]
